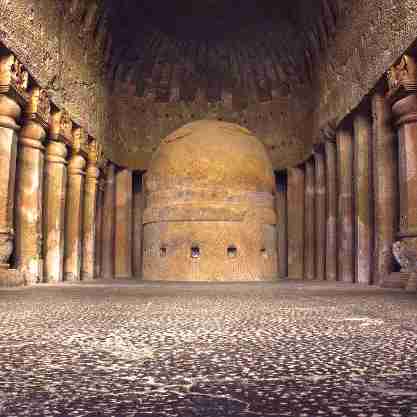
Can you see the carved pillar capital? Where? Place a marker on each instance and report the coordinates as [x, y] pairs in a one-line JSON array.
[[402, 96], [93, 155], [13, 91], [60, 127]]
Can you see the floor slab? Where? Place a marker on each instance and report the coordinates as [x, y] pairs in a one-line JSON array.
[[244, 350]]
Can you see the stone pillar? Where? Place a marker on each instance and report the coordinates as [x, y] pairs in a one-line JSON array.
[[281, 205], [99, 223], [295, 211], [385, 188], [363, 194], [89, 213], [74, 207], [309, 217], [344, 141], [123, 232], [138, 208], [108, 226], [55, 187], [320, 212], [29, 186], [331, 221], [403, 98], [10, 111]]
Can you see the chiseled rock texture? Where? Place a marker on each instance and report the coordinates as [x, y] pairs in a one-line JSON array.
[[283, 71], [197, 350]]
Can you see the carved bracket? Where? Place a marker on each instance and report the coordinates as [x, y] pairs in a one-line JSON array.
[[402, 78], [14, 79], [38, 107], [60, 127]]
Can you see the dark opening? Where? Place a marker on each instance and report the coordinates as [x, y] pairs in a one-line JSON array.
[[195, 252], [163, 251], [232, 251], [264, 253]]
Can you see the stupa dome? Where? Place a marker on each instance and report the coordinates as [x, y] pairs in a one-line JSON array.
[[210, 206]]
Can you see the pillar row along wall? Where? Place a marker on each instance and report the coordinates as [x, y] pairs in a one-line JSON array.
[[351, 208], [58, 196], [342, 228]]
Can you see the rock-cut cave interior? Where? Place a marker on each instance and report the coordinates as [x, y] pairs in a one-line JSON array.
[[208, 208]]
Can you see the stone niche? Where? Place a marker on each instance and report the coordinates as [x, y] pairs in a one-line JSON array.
[[210, 212]]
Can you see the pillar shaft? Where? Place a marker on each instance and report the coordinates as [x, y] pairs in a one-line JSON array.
[[29, 187], [331, 221], [281, 205], [73, 218], [320, 212], [99, 224], [138, 208], [108, 225], [345, 205], [407, 141], [363, 195], [385, 186], [309, 217], [55, 184], [9, 113], [89, 219], [123, 232], [295, 195]]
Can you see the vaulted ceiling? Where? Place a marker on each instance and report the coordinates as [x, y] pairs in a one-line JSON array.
[[169, 50]]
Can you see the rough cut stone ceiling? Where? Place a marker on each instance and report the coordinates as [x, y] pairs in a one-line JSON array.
[[172, 50], [250, 63]]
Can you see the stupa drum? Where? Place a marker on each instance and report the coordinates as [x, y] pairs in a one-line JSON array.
[[210, 207]]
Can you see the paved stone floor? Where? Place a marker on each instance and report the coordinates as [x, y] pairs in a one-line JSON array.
[[240, 350]]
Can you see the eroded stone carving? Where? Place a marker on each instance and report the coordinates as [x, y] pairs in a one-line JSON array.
[[38, 107], [405, 255], [403, 74]]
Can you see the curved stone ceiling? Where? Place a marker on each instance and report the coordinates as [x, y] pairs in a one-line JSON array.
[[248, 62]]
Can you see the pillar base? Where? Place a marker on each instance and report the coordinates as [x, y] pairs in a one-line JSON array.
[[396, 280], [11, 278], [87, 277], [70, 277]]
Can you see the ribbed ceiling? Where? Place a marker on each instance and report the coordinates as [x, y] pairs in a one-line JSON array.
[[174, 50]]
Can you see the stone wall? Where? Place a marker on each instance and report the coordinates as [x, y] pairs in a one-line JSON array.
[[59, 44], [371, 36]]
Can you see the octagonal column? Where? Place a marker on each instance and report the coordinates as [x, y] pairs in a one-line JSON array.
[[99, 224], [138, 208], [108, 226], [123, 232], [282, 224], [331, 218], [385, 177], [363, 194], [29, 186], [55, 187], [13, 84], [320, 213], [309, 217], [74, 207], [403, 98], [89, 213], [295, 195], [344, 141]]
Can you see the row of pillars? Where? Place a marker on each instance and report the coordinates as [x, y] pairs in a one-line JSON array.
[[349, 213], [338, 210], [61, 202], [120, 239]]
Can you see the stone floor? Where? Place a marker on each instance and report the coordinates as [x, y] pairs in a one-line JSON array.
[[240, 350]]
